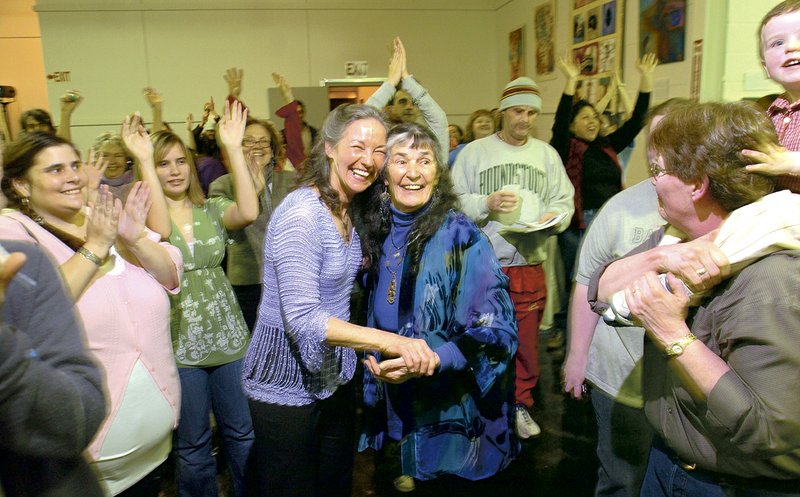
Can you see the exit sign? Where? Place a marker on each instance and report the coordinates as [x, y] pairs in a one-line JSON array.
[[356, 69]]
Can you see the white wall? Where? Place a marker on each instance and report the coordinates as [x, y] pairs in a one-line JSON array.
[[743, 76], [116, 48]]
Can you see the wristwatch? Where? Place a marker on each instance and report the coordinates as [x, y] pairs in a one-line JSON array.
[[677, 347]]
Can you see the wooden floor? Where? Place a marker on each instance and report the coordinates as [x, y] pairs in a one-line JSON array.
[[560, 462]]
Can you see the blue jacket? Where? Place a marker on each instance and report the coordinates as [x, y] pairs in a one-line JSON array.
[[457, 421]]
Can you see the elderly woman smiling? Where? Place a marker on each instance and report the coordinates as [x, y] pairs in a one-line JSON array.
[[434, 276], [300, 362]]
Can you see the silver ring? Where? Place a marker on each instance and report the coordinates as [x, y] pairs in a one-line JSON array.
[[701, 271]]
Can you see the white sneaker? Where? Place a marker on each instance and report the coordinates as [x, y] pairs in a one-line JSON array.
[[524, 425], [404, 483]]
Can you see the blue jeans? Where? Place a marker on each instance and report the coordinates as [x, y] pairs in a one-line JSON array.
[[203, 389], [623, 443], [666, 478]]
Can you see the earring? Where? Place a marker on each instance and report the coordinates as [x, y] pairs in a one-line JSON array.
[[26, 208], [384, 207]]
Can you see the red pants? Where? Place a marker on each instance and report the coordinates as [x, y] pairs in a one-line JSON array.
[[528, 291]]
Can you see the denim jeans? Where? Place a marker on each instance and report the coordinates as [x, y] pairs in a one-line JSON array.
[[666, 478], [203, 389], [623, 443]]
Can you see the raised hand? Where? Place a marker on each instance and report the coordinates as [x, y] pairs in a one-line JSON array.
[[208, 109], [136, 138], [286, 90], [569, 66], [647, 63], [233, 77], [70, 100], [190, 122], [152, 96], [133, 217], [396, 63], [94, 168], [398, 43], [231, 127], [101, 229]]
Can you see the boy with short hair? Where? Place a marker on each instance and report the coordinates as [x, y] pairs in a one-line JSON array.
[[779, 43]]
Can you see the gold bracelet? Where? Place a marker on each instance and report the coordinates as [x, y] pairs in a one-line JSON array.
[[90, 256]]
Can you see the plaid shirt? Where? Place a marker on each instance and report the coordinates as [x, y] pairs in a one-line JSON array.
[[786, 119]]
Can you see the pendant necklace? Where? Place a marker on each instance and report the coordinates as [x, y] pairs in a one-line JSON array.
[[391, 292]]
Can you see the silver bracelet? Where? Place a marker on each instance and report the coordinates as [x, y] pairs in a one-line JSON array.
[[90, 256]]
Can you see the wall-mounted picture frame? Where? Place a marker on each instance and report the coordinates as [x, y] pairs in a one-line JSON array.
[[544, 16], [516, 52]]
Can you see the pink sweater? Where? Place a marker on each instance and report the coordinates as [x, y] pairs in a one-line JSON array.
[[125, 318]]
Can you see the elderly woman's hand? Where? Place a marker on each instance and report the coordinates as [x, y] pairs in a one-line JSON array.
[[133, 217], [415, 353], [389, 371], [661, 311]]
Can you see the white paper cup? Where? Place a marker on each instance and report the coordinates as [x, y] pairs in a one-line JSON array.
[[513, 216]]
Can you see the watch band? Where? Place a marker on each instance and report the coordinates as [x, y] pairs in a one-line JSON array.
[[677, 347]]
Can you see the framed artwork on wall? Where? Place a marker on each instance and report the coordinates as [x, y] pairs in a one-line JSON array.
[[597, 29], [516, 52], [662, 29], [544, 16]]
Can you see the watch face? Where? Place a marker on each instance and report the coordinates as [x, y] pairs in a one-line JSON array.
[[676, 349]]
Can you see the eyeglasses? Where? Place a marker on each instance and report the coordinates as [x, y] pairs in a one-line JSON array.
[[262, 143], [656, 170]]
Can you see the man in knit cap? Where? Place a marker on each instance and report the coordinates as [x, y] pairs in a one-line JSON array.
[[511, 184]]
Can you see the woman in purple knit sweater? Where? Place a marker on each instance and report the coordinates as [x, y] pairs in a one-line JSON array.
[[302, 354]]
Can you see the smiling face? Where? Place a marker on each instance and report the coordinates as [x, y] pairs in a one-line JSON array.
[[780, 42], [411, 176], [357, 157], [482, 127], [55, 183], [173, 173], [586, 124], [117, 160], [257, 146]]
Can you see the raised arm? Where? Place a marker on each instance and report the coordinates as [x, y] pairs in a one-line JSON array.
[[626, 133], [624, 99], [230, 132], [138, 143], [69, 102], [292, 125], [148, 254], [435, 118], [561, 134], [156, 101]]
